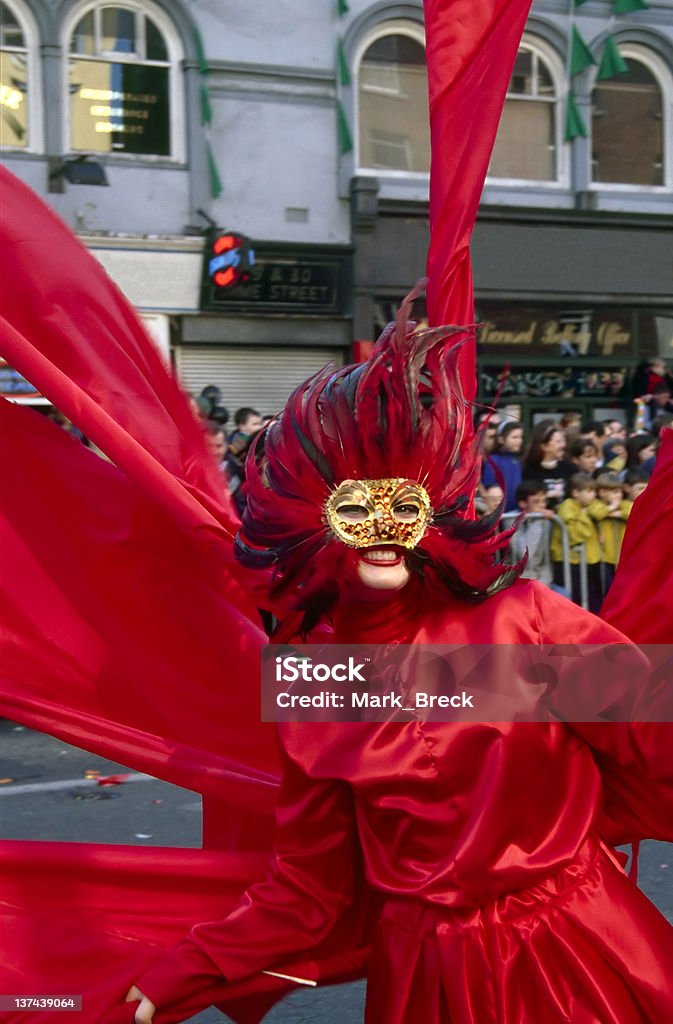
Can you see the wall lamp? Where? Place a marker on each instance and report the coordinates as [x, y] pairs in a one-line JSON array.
[[78, 170]]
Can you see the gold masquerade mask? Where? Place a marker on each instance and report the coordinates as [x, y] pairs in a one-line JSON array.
[[367, 513]]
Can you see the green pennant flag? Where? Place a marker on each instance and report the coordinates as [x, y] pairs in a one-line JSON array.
[[216, 188], [206, 109], [342, 8], [578, 3], [612, 62], [343, 71], [626, 6], [200, 52], [574, 121], [345, 137], [580, 54]]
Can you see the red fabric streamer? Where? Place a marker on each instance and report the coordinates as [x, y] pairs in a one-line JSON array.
[[123, 629], [471, 49]]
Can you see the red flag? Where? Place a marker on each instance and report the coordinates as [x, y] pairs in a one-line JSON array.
[[471, 48]]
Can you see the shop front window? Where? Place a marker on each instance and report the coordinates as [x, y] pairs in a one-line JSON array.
[[119, 83], [627, 128], [655, 334], [526, 146], [14, 81], [393, 105], [552, 382]]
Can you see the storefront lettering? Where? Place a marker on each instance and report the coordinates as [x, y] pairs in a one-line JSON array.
[[127, 129], [103, 111], [554, 333], [610, 336], [570, 338], [298, 293], [283, 283], [119, 116], [490, 335], [109, 94]]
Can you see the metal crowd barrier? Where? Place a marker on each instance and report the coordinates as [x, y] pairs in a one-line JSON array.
[[510, 517], [608, 524]]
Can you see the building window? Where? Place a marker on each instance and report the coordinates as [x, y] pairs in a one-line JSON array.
[[627, 128], [14, 81], [393, 105], [121, 82], [527, 144]]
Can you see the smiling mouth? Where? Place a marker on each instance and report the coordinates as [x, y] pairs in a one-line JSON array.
[[382, 556]]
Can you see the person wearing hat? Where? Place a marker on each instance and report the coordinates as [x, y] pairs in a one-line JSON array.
[[503, 466]]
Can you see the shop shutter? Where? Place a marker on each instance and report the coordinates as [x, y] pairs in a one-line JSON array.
[[262, 377]]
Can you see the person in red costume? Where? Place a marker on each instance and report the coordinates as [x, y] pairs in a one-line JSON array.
[[470, 868], [485, 845]]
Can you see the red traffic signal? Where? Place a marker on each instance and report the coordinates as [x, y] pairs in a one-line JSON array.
[[230, 260]]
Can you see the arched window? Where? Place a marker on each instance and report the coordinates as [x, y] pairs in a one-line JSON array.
[[528, 141], [122, 81], [627, 127], [18, 85], [393, 104]]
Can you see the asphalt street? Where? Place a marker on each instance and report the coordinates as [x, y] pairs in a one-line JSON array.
[[49, 790]]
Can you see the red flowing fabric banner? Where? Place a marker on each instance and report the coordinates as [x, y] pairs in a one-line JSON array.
[[471, 49], [123, 629]]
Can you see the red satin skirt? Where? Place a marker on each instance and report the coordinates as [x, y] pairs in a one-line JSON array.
[[584, 947]]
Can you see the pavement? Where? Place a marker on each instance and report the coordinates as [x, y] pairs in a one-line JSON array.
[[49, 790]]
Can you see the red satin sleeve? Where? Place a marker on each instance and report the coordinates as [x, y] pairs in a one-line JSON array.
[[635, 756], [309, 887], [633, 748], [639, 600]]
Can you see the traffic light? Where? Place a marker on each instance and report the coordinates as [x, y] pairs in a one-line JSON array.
[[229, 259]]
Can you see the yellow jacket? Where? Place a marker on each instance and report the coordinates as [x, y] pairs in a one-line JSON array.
[[581, 523], [611, 532]]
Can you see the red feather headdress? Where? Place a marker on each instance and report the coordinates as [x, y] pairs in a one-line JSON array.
[[401, 414]]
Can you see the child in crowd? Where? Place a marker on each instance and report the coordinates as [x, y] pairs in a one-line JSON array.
[[580, 512], [641, 449], [611, 529], [584, 455], [507, 458], [634, 483], [490, 500], [595, 431], [657, 373], [533, 533], [616, 454]]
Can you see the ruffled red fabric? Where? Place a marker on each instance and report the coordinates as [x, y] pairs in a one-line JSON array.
[[583, 946], [523, 913]]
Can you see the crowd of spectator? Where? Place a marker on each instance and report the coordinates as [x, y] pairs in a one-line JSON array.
[[572, 486], [569, 485], [229, 446]]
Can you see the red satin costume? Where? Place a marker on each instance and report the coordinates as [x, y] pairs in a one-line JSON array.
[[467, 869]]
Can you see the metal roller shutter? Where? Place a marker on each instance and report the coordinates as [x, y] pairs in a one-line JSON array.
[[262, 377]]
